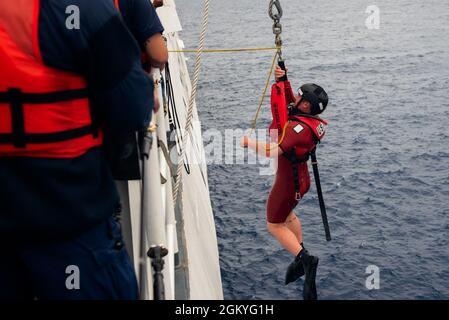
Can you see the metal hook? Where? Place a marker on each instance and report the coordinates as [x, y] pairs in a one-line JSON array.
[[278, 15]]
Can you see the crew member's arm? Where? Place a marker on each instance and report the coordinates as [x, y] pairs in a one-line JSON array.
[[156, 50], [148, 31]]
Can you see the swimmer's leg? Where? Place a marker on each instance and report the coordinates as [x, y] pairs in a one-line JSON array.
[[285, 237], [294, 224], [295, 270]]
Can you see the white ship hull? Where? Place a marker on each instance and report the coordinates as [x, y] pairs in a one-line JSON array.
[[187, 228]]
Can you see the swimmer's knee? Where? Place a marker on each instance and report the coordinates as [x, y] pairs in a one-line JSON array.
[[272, 227], [291, 218]]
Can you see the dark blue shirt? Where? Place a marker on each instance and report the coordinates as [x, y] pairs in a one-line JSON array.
[[141, 19], [56, 198]]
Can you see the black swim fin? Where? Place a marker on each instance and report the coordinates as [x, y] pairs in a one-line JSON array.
[[295, 270], [310, 264]]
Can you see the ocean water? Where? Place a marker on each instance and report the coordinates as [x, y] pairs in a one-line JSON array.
[[384, 163]]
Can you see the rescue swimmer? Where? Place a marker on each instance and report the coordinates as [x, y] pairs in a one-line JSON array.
[[295, 132]]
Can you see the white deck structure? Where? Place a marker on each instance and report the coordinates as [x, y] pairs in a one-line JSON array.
[[187, 228]]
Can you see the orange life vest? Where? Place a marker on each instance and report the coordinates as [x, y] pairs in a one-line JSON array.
[[44, 112], [316, 125]]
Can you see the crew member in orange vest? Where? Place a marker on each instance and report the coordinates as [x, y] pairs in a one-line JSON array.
[[64, 86]]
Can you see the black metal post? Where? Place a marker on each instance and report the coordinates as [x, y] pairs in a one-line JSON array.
[[157, 255]]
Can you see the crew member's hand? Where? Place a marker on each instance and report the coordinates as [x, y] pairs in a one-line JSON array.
[[244, 142], [279, 73], [158, 3]]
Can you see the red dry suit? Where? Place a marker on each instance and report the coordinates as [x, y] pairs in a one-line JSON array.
[[302, 133]]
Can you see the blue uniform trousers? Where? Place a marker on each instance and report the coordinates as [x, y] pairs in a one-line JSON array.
[[94, 265]]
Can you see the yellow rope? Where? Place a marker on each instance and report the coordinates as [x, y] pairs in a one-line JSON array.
[[262, 98], [284, 130], [278, 49], [226, 50], [261, 103], [267, 83]]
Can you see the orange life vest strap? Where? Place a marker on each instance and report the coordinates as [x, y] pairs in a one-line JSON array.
[[20, 141], [16, 99], [40, 98]]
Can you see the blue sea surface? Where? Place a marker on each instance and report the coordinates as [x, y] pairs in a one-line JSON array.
[[384, 163]]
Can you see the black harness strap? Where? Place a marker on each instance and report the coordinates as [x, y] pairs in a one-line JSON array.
[[291, 156], [296, 181], [294, 160]]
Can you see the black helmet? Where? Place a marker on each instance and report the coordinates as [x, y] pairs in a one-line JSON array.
[[316, 96]]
